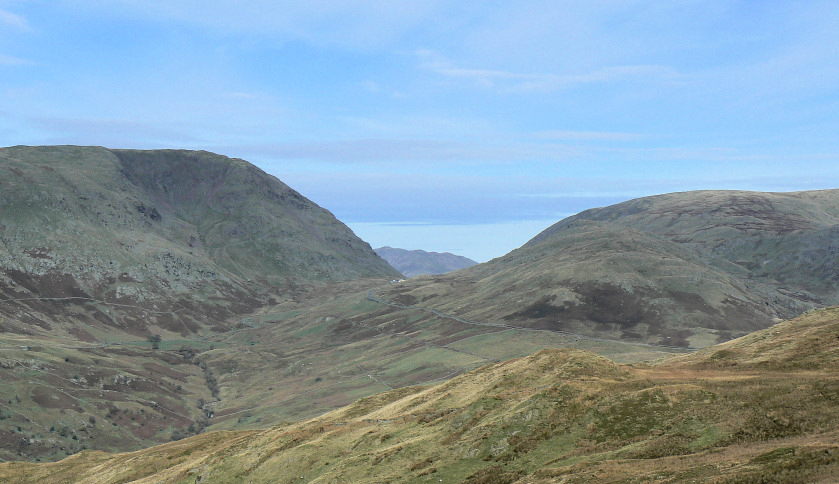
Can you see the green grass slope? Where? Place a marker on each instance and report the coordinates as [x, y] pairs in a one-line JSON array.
[[727, 414], [249, 221]]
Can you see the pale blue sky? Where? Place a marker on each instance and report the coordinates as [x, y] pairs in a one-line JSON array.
[[439, 125]]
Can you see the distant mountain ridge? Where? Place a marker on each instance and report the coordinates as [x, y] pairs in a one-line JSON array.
[[682, 269], [414, 263]]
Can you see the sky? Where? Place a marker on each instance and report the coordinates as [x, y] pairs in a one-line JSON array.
[[466, 126]]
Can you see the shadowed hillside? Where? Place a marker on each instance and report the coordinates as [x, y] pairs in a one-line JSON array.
[[764, 408], [684, 269]]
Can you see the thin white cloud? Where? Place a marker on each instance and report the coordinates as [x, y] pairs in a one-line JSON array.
[[248, 96], [463, 154], [524, 81], [7, 60], [14, 20], [241, 95], [599, 76], [487, 74], [404, 126], [375, 150]]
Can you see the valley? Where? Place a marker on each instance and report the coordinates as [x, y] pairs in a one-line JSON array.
[[760, 408], [419, 242], [183, 306]]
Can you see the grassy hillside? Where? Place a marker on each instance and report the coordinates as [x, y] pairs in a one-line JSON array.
[[764, 408], [786, 239], [121, 270], [249, 221], [686, 269]]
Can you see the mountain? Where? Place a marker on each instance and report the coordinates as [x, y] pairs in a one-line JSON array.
[[764, 408], [414, 263], [151, 233], [684, 269], [125, 276]]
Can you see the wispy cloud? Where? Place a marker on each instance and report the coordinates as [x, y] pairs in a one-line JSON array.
[[524, 81], [7, 60], [488, 74], [14, 20], [376, 150], [595, 148], [371, 86], [241, 95], [249, 96]]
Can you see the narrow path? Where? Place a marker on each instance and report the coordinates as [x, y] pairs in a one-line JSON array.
[[22, 415], [373, 377]]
